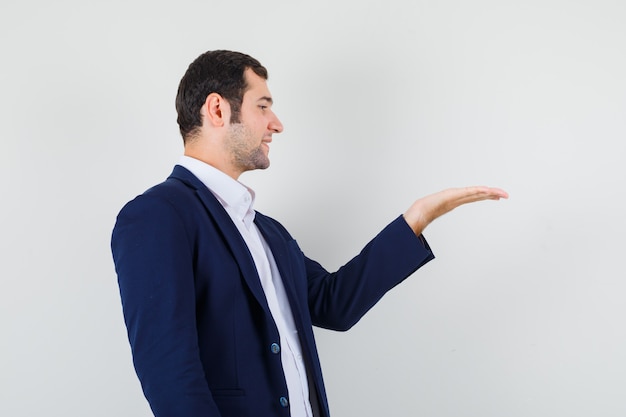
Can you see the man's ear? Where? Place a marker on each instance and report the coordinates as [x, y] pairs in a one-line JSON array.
[[216, 110]]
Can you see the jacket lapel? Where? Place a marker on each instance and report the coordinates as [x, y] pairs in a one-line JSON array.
[[230, 234], [282, 256]]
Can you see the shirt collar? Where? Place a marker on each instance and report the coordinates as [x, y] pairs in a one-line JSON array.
[[233, 195]]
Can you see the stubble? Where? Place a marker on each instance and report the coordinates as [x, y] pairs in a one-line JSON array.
[[246, 150]]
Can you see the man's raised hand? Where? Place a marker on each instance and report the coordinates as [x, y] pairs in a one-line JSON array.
[[428, 208]]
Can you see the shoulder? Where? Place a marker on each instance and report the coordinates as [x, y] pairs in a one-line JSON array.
[[176, 192], [172, 201], [166, 195]]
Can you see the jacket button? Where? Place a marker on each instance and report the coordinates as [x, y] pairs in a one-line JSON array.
[[275, 348], [284, 402]]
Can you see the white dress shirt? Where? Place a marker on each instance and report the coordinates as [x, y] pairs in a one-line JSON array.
[[237, 200]]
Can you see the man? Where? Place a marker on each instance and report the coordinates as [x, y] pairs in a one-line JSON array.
[[218, 299]]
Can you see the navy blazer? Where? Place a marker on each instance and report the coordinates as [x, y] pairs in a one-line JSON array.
[[203, 341]]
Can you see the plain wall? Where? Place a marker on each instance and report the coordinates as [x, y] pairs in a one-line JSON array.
[[521, 314]]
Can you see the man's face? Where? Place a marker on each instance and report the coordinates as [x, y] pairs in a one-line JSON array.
[[248, 141]]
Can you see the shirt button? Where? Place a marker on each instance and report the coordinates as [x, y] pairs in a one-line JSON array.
[[284, 402], [275, 348]]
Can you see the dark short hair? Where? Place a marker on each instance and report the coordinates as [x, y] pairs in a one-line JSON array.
[[220, 72]]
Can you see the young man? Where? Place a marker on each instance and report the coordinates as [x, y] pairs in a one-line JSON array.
[[218, 299]]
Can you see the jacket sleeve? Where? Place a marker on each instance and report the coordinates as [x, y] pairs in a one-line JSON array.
[[153, 261], [338, 300]]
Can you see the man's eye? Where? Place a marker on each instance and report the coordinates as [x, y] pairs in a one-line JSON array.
[[263, 107]]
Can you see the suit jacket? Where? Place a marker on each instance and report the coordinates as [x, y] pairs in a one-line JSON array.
[[202, 337]]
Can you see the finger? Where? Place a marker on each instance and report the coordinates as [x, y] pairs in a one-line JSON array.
[[482, 192], [493, 191], [459, 196]]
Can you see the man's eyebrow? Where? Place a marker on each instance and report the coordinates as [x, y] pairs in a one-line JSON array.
[[266, 98]]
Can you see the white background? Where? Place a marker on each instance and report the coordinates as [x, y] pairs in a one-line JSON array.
[[521, 314]]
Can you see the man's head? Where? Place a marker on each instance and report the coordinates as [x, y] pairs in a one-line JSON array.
[[225, 112], [221, 72]]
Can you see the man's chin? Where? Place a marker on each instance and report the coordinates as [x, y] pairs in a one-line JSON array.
[[259, 165]]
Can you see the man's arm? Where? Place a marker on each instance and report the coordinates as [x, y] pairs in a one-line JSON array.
[[338, 300], [153, 260]]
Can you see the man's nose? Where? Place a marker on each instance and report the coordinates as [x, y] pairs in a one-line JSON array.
[[275, 125]]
